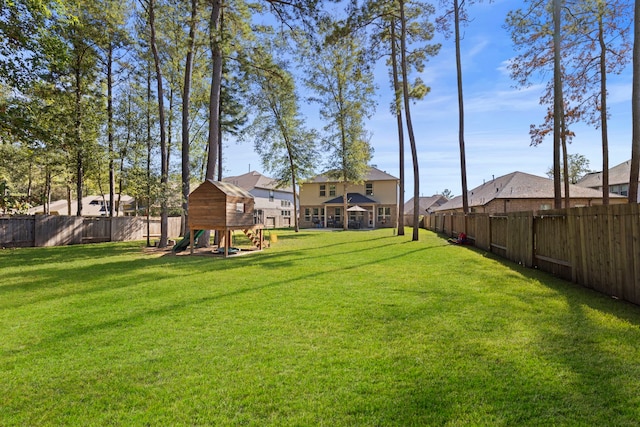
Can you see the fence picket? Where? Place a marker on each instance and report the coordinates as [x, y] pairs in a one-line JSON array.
[[59, 230], [597, 247]]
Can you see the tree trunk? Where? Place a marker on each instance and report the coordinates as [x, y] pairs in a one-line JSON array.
[[112, 177], [164, 152], [294, 182], [214, 96], [188, 71], [148, 213], [398, 104], [78, 138], [603, 113], [345, 206], [463, 161], [565, 168], [635, 111], [407, 110], [557, 103]]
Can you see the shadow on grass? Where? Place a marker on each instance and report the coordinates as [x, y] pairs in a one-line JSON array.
[[58, 280], [577, 365], [567, 365]]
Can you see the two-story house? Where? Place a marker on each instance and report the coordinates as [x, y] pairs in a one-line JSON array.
[[273, 205], [370, 204]]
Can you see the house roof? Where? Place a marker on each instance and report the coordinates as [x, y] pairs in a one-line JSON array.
[[352, 198], [617, 175], [373, 174], [254, 179], [518, 185], [425, 203], [91, 205]]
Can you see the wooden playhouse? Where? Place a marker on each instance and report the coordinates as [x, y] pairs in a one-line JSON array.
[[223, 207]]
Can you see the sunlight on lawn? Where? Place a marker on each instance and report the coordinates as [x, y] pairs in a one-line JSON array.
[[341, 328]]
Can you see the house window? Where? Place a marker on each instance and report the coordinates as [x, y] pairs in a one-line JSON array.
[[332, 190], [307, 214], [285, 203], [258, 217], [323, 190], [271, 195], [545, 207], [384, 215], [369, 188], [285, 213], [621, 189]]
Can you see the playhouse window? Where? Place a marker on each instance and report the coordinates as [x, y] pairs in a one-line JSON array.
[[240, 207]]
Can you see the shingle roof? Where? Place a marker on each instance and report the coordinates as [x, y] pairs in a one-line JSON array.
[[254, 179], [352, 198], [517, 185], [373, 174], [617, 175], [230, 189], [425, 203]]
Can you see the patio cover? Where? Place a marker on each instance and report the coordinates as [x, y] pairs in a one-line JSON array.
[[352, 198]]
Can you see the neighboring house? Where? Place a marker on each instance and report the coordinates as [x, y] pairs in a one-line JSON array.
[[520, 191], [273, 205], [618, 180], [427, 204], [371, 204], [91, 206]]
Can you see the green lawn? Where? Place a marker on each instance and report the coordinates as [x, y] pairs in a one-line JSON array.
[[343, 328]]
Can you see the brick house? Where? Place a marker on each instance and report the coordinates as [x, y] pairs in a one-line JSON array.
[[518, 191], [371, 204], [273, 205]]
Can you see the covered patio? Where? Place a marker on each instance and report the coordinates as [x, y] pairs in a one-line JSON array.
[[360, 212]]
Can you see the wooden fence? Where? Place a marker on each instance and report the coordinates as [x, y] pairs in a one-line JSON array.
[[597, 247], [60, 230]]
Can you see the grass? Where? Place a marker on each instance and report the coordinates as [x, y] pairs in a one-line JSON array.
[[342, 328]]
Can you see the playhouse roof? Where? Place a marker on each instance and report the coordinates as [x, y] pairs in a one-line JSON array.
[[226, 188]]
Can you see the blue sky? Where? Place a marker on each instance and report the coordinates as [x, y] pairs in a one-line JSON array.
[[497, 116]]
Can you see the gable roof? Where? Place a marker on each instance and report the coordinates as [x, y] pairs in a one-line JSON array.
[[618, 174], [254, 179], [425, 203], [373, 174], [224, 187], [518, 185], [352, 198]]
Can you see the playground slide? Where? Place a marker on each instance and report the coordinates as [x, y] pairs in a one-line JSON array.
[[184, 243]]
